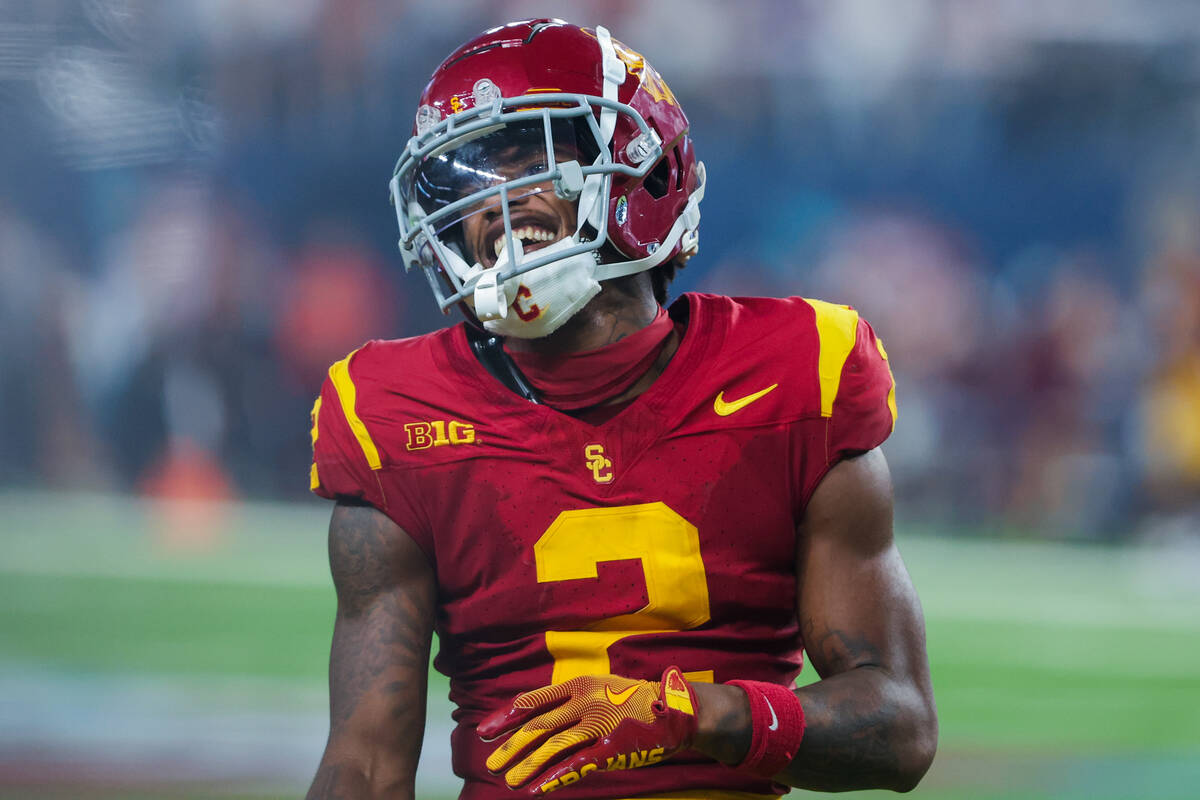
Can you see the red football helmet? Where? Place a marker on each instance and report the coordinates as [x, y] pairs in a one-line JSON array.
[[535, 106]]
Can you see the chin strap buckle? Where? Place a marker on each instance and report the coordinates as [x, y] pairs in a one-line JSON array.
[[490, 300]]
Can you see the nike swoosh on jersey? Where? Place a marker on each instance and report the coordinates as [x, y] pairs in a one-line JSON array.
[[619, 698], [774, 726], [726, 408]]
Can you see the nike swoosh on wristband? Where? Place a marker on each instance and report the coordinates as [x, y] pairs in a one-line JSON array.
[[774, 726], [724, 408], [619, 698]]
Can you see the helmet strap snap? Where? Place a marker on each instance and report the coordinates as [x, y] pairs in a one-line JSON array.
[[491, 302]]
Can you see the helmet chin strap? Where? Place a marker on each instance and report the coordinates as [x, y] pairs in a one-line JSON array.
[[614, 76], [684, 229]]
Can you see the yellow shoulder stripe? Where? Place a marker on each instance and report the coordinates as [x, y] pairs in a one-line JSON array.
[[339, 373], [314, 480], [891, 401], [837, 330], [313, 415]]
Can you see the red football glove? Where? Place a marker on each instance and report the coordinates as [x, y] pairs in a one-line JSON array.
[[595, 723]]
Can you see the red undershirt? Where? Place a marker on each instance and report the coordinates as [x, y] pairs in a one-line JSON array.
[[578, 383]]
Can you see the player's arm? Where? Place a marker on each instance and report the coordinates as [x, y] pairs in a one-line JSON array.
[[379, 661], [870, 722]]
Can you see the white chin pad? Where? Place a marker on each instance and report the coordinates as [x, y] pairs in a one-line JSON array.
[[557, 290]]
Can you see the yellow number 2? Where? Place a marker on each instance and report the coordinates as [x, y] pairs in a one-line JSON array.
[[676, 587]]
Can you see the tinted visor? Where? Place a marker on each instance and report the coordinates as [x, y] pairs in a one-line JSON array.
[[514, 151]]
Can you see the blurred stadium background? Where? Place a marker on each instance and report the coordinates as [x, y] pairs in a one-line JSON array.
[[194, 224]]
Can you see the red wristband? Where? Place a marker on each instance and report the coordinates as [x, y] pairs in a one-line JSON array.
[[777, 720]]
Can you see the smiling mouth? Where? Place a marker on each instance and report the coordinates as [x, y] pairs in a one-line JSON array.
[[532, 237]]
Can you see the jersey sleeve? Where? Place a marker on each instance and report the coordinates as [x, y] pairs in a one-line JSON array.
[[857, 395], [864, 412], [345, 461], [350, 445]]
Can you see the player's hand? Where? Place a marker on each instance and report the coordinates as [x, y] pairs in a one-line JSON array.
[[594, 723]]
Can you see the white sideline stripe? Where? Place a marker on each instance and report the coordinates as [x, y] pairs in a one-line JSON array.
[[1074, 611], [188, 728], [159, 572]]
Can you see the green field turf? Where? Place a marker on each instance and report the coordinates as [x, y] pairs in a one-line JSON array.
[[1060, 671]]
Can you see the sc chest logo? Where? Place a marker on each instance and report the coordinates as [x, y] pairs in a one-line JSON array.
[[600, 464]]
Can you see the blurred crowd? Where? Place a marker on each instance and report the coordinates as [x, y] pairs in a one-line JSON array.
[[194, 224]]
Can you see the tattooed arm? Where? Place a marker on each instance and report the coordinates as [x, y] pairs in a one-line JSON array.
[[870, 721], [379, 661]]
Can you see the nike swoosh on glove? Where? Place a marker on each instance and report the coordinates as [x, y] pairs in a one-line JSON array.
[[593, 723]]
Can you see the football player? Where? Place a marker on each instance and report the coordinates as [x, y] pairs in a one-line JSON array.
[[626, 523]]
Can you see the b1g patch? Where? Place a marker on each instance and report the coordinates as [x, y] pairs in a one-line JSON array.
[[438, 433]]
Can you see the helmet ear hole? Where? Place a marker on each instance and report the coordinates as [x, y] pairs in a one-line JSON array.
[[658, 180], [587, 232]]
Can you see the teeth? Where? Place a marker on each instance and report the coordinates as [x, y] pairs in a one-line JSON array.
[[526, 234]]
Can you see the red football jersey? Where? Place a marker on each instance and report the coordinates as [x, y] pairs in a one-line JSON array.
[[666, 535]]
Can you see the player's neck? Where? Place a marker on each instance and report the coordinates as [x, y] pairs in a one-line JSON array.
[[651, 375], [623, 307]]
